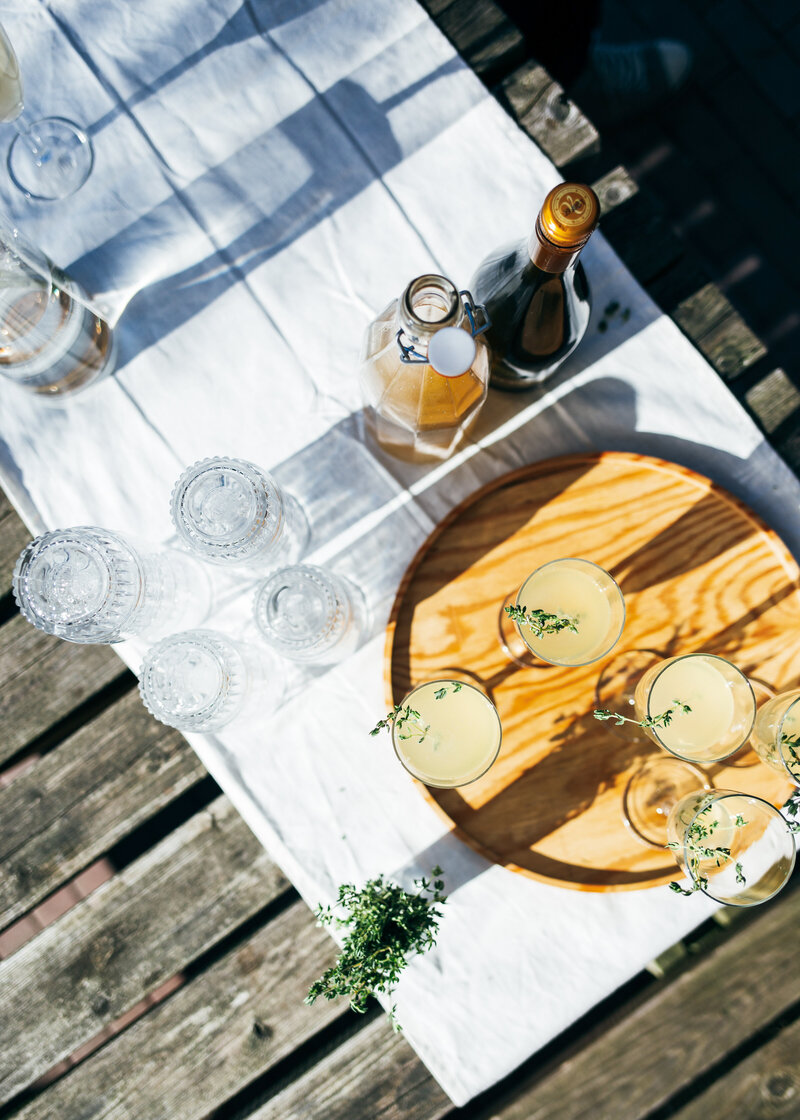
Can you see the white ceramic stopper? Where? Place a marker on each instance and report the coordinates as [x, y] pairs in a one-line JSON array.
[[451, 351]]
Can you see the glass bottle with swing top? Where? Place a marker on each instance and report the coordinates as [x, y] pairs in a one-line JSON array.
[[425, 370]]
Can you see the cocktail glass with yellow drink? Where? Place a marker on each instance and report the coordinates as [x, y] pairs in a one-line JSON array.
[[567, 612], [699, 708], [721, 702], [776, 735], [735, 847], [445, 732]]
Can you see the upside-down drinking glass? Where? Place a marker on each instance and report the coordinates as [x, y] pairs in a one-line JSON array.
[[231, 512], [202, 680], [308, 614], [88, 584]]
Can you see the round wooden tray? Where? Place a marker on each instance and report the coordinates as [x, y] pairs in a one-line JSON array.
[[699, 571]]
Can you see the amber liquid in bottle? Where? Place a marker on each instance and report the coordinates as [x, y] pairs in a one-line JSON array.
[[411, 410], [536, 293]]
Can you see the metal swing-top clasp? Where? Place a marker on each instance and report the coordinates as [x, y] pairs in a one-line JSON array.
[[411, 356]]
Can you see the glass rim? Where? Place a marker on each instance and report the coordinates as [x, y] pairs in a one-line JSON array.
[[442, 284], [690, 758], [332, 587], [89, 539], [207, 641], [489, 701], [779, 744], [715, 795], [265, 491], [580, 560]]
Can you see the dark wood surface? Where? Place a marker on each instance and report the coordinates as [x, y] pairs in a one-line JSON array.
[[174, 990]]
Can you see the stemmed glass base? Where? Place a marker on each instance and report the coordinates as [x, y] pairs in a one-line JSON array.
[[657, 786], [616, 689], [50, 159]]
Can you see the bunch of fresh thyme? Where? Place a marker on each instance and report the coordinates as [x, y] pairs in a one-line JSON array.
[[387, 925], [541, 622], [698, 845], [663, 720], [406, 719]]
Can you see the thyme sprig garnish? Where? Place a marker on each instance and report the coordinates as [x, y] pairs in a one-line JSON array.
[[792, 804], [541, 622], [662, 720], [792, 744], [407, 719], [699, 846], [792, 807], [387, 925]]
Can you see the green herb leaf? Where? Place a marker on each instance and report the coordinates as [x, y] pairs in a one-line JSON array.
[[696, 850], [662, 720], [541, 622]]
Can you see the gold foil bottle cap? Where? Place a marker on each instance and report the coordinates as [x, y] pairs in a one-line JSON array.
[[569, 215]]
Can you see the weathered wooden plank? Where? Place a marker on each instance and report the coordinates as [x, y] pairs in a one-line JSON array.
[[373, 1074], [674, 1033], [541, 109], [13, 538], [614, 188], [764, 1086], [773, 399], [149, 922], [210, 1039], [711, 322], [640, 236], [678, 283], [43, 678], [81, 798], [482, 34]]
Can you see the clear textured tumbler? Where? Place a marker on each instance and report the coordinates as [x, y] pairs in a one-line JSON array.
[[202, 680], [307, 614], [232, 512], [92, 585]]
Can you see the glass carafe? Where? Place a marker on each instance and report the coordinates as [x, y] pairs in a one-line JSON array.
[[51, 342], [425, 370]]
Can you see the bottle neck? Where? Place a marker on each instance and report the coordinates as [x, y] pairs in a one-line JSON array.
[[549, 257], [429, 303]]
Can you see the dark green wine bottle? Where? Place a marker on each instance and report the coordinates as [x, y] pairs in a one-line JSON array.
[[536, 292]]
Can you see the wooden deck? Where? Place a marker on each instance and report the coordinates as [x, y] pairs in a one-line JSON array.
[[170, 984]]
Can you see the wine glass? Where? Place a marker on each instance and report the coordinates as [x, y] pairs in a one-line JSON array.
[[446, 732], [734, 847], [776, 735], [699, 708], [50, 158], [567, 612]]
